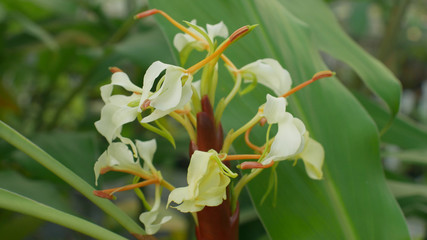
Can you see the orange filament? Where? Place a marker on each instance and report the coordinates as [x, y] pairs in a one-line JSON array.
[[114, 69], [236, 35], [107, 193], [182, 112], [252, 165], [171, 20], [141, 175], [242, 157], [317, 76], [251, 145]]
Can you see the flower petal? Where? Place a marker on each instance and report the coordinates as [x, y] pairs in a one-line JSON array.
[[146, 150], [313, 156], [150, 76], [270, 73], [122, 79], [217, 30], [170, 91], [287, 141], [275, 109]]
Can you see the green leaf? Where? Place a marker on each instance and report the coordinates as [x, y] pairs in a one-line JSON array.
[[18, 203], [330, 38], [353, 201], [76, 151], [29, 148], [40, 191]]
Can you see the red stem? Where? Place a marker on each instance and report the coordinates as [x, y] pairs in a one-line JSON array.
[[214, 222]]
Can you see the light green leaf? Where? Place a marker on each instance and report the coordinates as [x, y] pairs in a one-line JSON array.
[[29, 148], [18, 203]]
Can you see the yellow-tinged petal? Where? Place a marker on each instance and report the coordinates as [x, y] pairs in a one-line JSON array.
[[313, 156]]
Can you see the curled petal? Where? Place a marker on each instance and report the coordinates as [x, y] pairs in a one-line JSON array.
[[275, 109], [270, 73], [313, 157], [122, 79]]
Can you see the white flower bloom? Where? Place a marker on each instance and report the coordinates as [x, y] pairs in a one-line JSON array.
[[181, 40], [207, 184], [151, 219], [269, 73], [173, 93], [117, 157], [118, 109], [292, 141]]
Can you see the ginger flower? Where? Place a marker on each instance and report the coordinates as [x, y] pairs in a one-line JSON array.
[[292, 141], [269, 73], [118, 157], [182, 40], [175, 90], [118, 109], [207, 183]]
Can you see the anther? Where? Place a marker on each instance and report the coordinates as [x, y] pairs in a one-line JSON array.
[[114, 69], [252, 165]]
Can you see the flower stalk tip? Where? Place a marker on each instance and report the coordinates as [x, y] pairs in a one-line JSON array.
[[252, 165], [101, 194], [114, 69], [146, 13]]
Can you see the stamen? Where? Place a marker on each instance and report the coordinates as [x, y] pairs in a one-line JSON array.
[[233, 37], [317, 76], [101, 194], [242, 157], [114, 69], [252, 165], [171, 20], [182, 112], [145, 104], [109, 192], [250, 144], [263, 121]]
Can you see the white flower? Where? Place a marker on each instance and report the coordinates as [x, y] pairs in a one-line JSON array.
[[117, 157], [151, 219], [207, 184], [292, 141], [118, 109], [173, 94], [268, 72], [181, 40]]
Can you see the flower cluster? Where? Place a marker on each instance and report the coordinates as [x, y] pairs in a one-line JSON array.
[[169, 90]]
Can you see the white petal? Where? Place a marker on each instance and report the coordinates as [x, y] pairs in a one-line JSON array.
[[146, 150], [270, 73], [100, 164], [217, 30], [120, 153], [106, 91], [181, 40], [170, 92], [281, 74], [275, 109], [150, 76], [105, 125], [313, 157], [287, 141], [122, 79]]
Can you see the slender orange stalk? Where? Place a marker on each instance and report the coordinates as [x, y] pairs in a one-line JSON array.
[[129, 187], [242, 157], [233, 37], [252, 165], [171, 20], [250, 144], [317, 76], [141, 175]]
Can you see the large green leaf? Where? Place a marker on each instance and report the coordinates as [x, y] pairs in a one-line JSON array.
[[353, 201], [19, 203]]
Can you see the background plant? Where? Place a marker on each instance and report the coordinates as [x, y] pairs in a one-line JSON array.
[[55, 56]]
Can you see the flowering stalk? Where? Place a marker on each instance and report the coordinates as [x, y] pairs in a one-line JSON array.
[[208, 196]]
